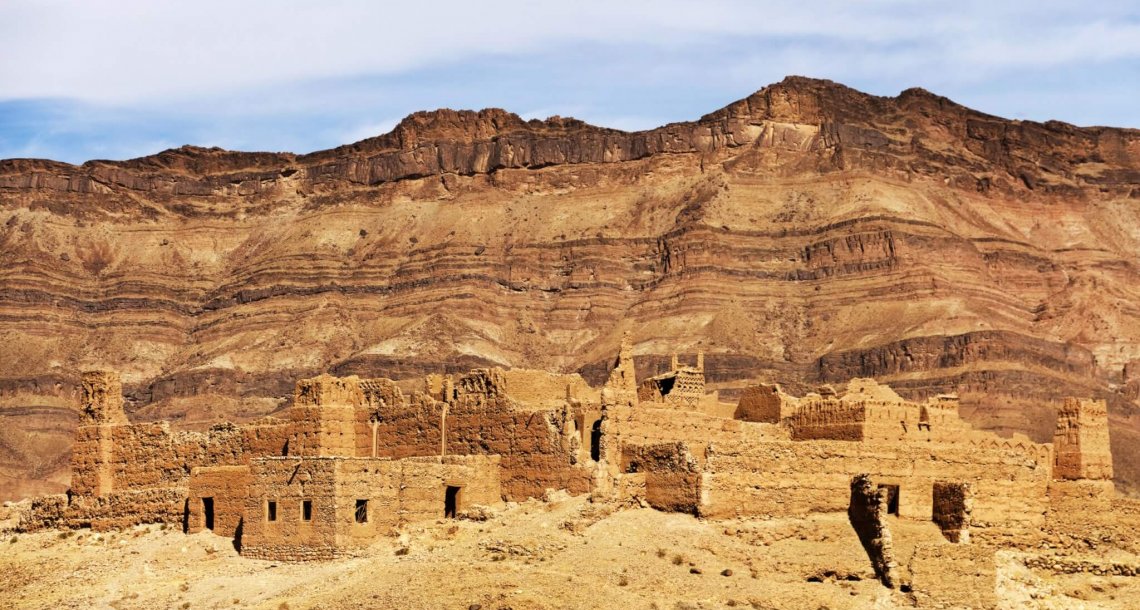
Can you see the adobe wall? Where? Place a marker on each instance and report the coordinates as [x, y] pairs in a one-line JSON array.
[[790, 478], [1081, 443], [867, 510], [953, 509], [288, 482], [118, 510], [764, 403], [540, 449], [965, 573], [228, 488], [395, 491], [408, 490], [402, 430], [866, 417], [324, 416], [817, 419], [543, 390], [648, 425], [671, 478]]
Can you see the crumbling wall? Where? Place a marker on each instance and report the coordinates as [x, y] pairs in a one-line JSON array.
[[227, 488], [101, 410], [817, 418], [324, 416], [398, 431], [353, 501], [875, 413], [790, 478], [1080, 442], [952, 575], [425, 480], [103, 513], [672, 477], [953, 506], [102, 399], [621, 386], [539, 449], [288, 482], [684, 388], [764, 403], [647, 425], [544, 390], [867, 510]]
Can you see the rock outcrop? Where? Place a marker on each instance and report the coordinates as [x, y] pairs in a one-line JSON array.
[[807, 234]]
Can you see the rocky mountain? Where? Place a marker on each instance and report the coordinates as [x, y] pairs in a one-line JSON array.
[[806, 234]]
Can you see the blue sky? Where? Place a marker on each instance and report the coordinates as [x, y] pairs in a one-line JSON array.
[[84, 79]]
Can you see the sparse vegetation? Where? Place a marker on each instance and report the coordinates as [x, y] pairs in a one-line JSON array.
[[661, 553], [678, 559]]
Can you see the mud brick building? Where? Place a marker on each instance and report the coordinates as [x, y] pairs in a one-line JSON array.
[[354, 459]]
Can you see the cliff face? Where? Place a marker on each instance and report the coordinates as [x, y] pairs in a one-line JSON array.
[[807, 234]]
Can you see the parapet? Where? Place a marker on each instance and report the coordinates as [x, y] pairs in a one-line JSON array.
[[102, 399], [765, 403], [524, 387], [485, 383], [381, 392], [326, 390]]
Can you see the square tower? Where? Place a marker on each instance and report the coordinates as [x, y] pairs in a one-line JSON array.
[[93, 455], [1080, 443], [324, 416]]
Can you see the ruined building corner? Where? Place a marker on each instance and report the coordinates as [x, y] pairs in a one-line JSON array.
[[1081, 442], [102, 399]]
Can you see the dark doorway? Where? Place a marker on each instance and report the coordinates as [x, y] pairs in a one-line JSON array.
[[596, 441], [362, 511], [208, 513], [451, 501], [271, 510], [306, 510], [892, 498]]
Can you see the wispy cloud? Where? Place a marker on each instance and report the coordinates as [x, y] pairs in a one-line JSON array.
[[81, 78]]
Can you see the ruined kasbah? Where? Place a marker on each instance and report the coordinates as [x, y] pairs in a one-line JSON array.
[[354, 460]]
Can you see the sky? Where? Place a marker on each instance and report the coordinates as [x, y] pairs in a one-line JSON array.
[[117, 79]]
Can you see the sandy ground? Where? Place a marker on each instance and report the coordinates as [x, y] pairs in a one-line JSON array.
[[568, 553]]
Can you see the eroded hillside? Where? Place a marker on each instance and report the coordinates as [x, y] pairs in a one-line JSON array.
[[806, 234]]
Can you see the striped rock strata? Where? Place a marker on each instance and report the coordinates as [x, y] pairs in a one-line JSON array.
[[807, 234]]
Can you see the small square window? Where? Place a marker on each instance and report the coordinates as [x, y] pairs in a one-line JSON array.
[[271, 510], [306, 510], [362, 511]]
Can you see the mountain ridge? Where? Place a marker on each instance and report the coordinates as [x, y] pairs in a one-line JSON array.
[[805, 234]]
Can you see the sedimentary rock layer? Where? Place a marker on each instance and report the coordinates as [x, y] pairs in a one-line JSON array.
[[806, 234]]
